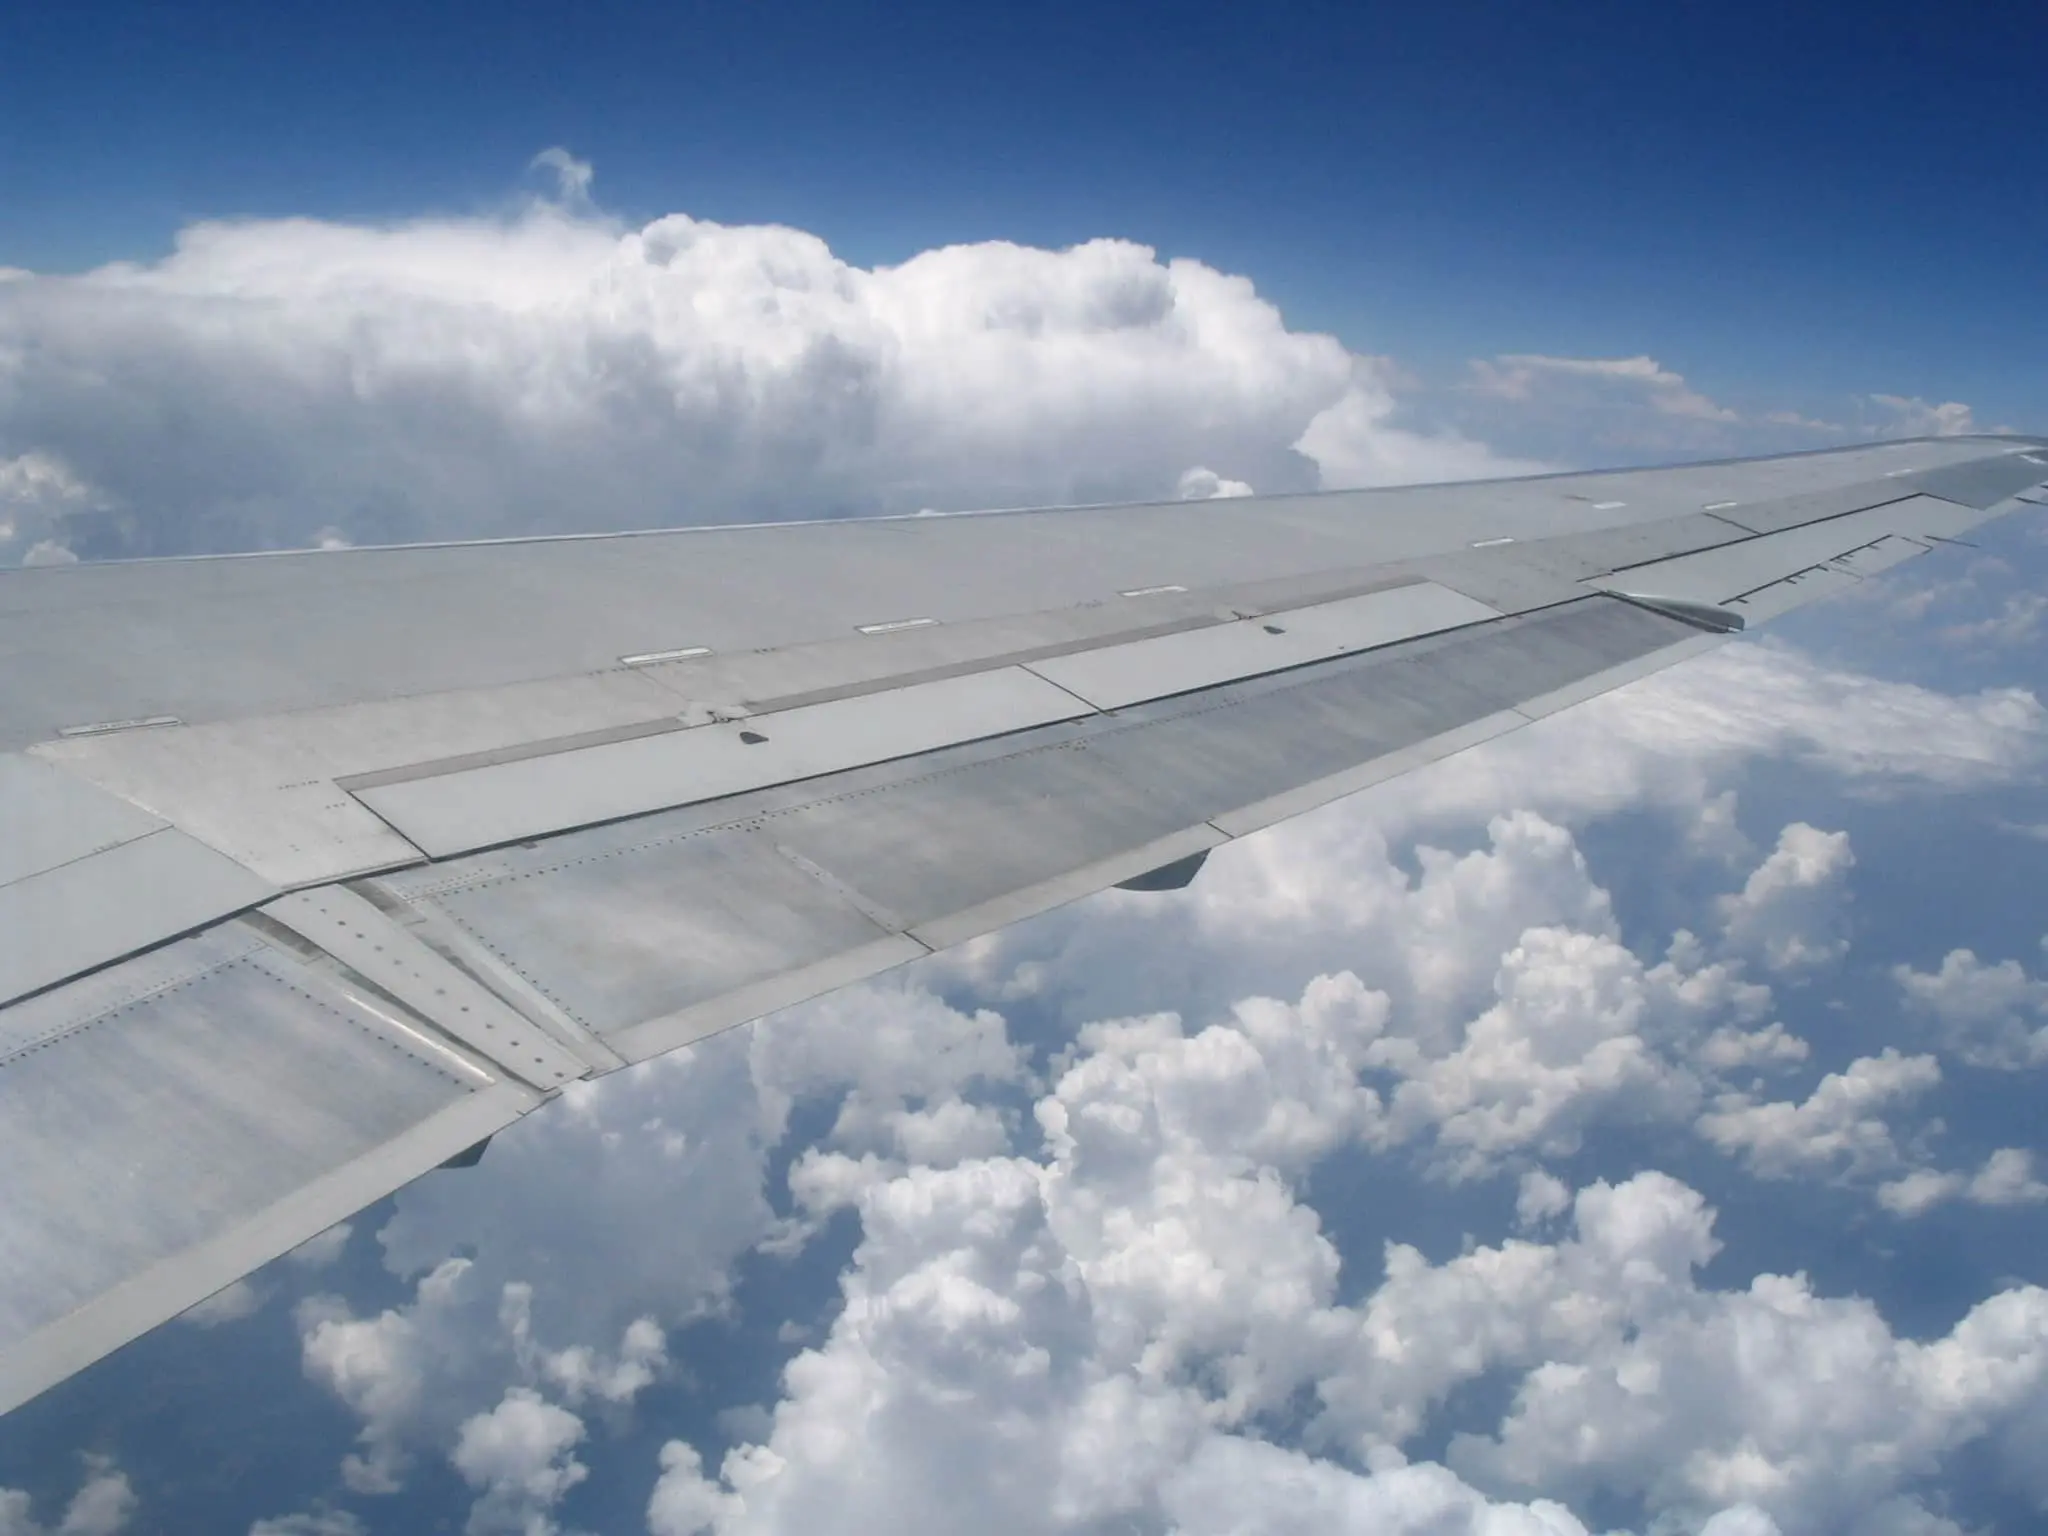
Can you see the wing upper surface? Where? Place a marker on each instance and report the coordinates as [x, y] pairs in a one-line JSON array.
[[489, 818]]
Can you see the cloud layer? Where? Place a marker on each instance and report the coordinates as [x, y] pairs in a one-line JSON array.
[[280, 382]]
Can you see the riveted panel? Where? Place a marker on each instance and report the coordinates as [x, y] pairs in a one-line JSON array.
[[622, 924], [171, 1104]]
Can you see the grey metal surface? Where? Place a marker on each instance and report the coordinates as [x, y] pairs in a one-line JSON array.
[[263, 790], [1113, 676], [174, 1103], [1811, 506], [473, 808], [270, 790], [338, 922], [1723, 574], [1984, 483], [621, 924], [113, 902], [626, 925], [210, 640], [49, 818]]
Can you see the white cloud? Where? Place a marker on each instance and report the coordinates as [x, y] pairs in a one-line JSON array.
[[1728, 1049], [102, 1506], [1634, 1379], [1910, 416], [1988, 1015], [1523, 377], [1840, 1127], [2017, 622], [1352, 442], [673, 1152], [277, 382], [40, 479], [317, 1522], [1236, 1487], [2006, 1179], [572, 176], [414, 1373], [1084, 1342], [1788, 914], [1200, 484], [1541, 1197], [36, 489], [1571, 1036], [546, 1298], [319, 1251], [519, 1456]]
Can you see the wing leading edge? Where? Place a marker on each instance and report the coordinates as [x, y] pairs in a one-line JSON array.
[[276, 945]]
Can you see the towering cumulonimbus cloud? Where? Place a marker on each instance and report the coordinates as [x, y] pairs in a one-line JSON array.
[[290, 382]]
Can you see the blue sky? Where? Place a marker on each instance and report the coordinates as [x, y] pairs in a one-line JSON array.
[[1712, 1012]]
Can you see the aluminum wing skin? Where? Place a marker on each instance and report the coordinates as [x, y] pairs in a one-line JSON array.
[[316, 869]]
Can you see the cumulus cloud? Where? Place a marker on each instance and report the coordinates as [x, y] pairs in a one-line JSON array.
[[1788, 914], [1910, 416], [285, 382], [681, 1135], [1353, 441], [1200, 484], [1087, 1341], [2007, 1178], [102, 1506], [37, 489], [1988, 1015], [1630, 1377], [1570, 1037], [1541, 1197], [521, 1281], [1841, 1127], [519, 1456], [1234, 1487]]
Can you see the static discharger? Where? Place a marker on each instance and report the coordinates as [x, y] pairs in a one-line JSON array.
[[1492, 543], [890, 626], [1158, 591]]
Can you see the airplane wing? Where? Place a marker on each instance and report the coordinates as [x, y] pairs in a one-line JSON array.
[[317, 869]]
